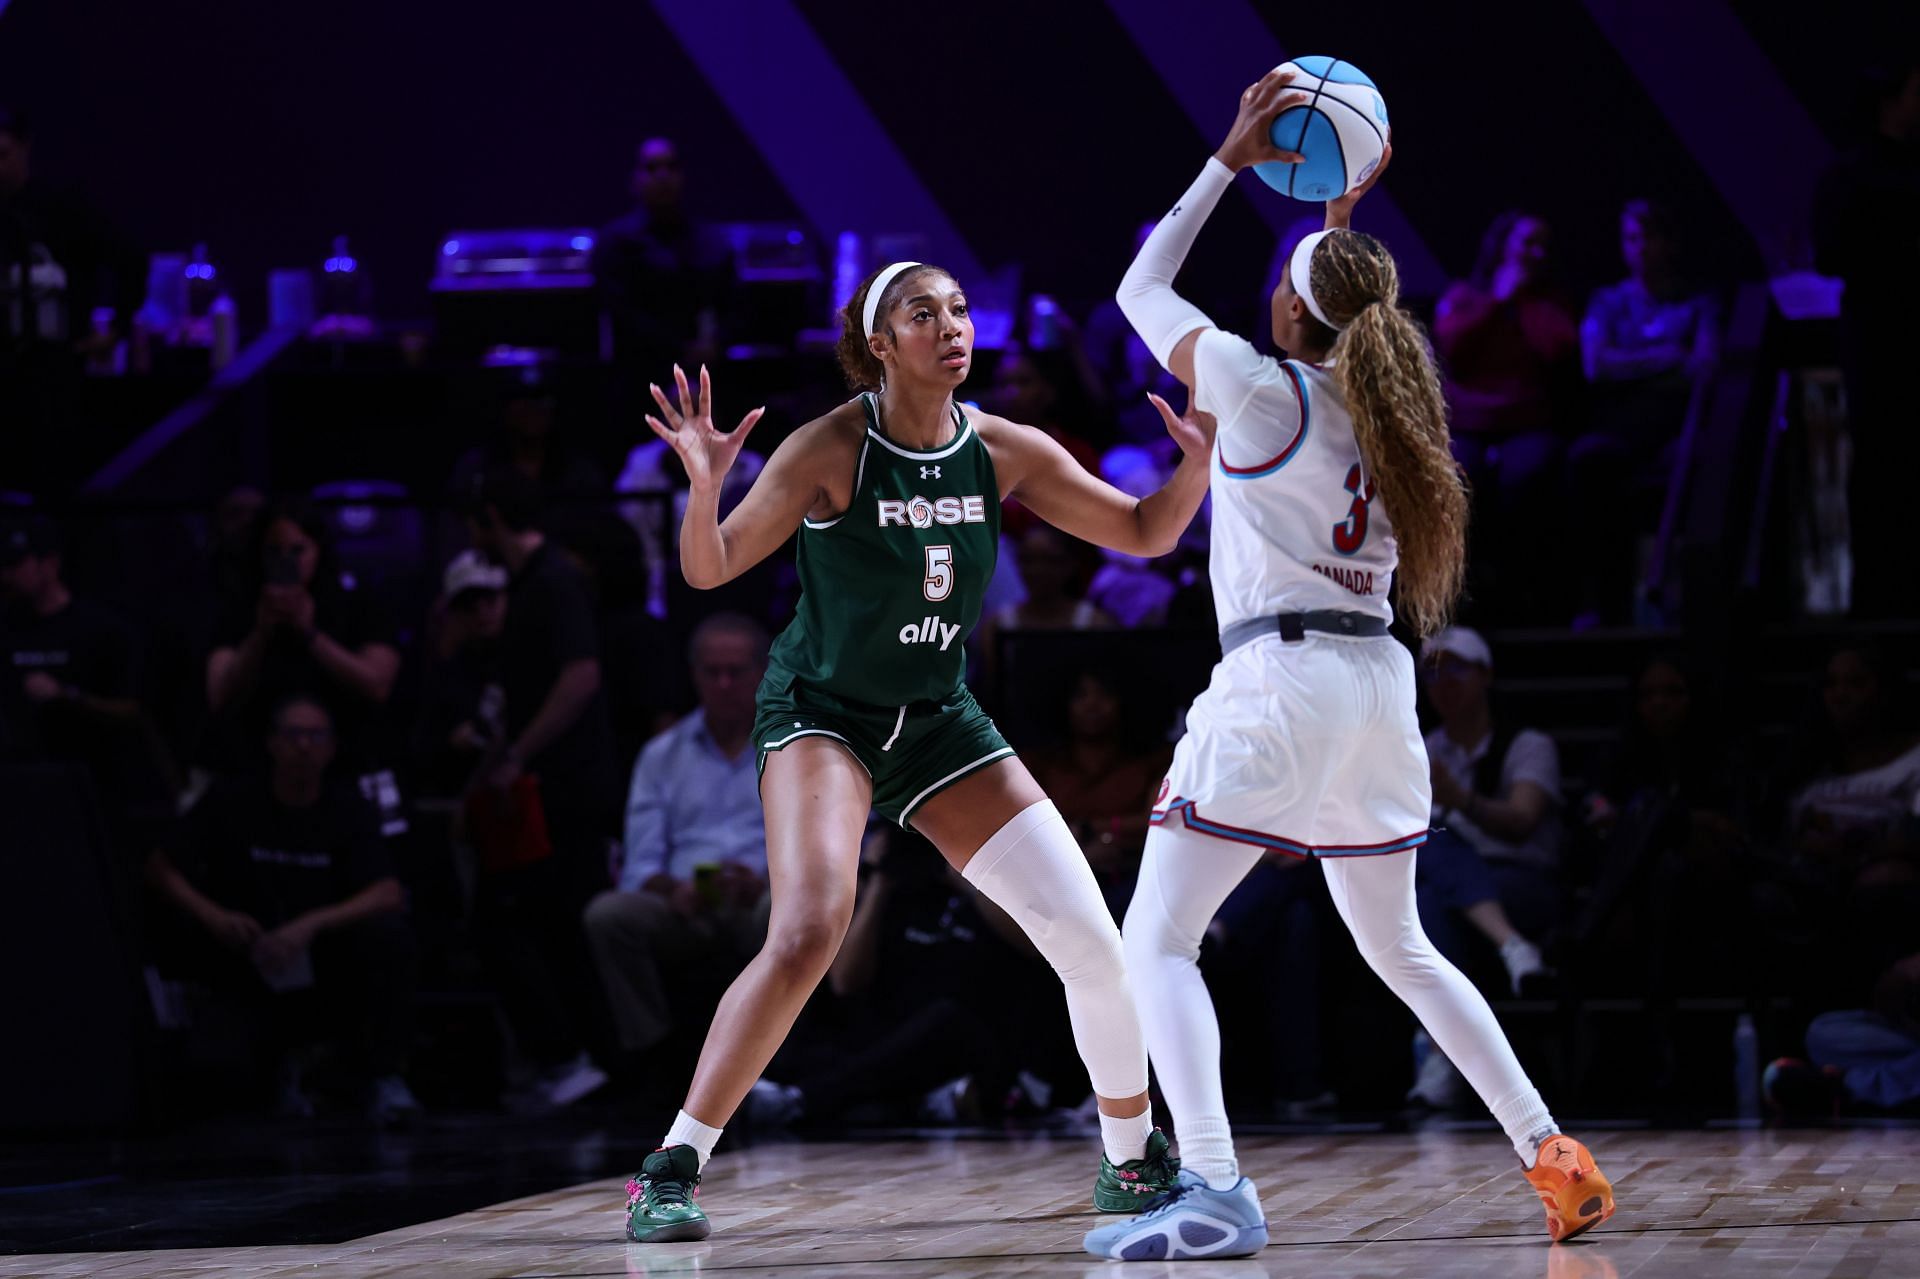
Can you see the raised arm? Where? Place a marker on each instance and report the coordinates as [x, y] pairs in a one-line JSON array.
[[712, 553], [1168, 323], [1065, 494]]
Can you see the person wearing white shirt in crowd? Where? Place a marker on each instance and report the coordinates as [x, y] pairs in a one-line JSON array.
[[692, 885], [1496, 844]]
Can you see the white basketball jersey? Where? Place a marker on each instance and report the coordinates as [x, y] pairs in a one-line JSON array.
[[1295, 524]]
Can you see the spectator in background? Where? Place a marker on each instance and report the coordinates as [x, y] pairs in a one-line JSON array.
[[542, 821], [1055, 569], [527, 437], [1131, 590], [70, 672], [1510, 345], [1675, 775], [665, 279], [287, 883], [301, 626], [644, 694], [1646, 342], [1128, 372], [1494, 856], [1863, 1060], [1653, 333], [1103, 782], [1865, 212], [1028, 389], [656, 480], [1853, 821], [690, 906], [1668, 820], [462, 707]]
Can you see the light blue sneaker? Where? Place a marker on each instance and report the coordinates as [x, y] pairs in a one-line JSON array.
[[1190, 1221]]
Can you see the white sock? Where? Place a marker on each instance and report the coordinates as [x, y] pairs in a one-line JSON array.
[[688, 1131], [1126, 1139], [1524, 1116], [1206, 1150]]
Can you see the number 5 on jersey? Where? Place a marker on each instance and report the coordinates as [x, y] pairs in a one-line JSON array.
[[939, 583]]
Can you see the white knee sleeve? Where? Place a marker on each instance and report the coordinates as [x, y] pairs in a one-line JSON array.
[[1032, 869]]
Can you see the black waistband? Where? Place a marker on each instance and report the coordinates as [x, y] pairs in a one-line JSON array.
[[1292, 627]]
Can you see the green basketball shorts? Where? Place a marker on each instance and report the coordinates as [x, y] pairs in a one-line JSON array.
[[912, 752]]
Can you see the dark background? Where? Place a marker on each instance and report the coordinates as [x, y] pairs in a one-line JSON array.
[[264, 130]]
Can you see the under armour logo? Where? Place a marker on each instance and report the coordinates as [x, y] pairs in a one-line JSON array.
[[929, 472]]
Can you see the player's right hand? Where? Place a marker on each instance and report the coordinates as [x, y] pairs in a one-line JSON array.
[[706, 451], [1250, 141]]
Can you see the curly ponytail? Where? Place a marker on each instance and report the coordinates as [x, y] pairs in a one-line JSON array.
[[1385, 367], [858, 363]]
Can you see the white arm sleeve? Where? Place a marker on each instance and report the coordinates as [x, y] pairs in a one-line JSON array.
[[1159, 315]]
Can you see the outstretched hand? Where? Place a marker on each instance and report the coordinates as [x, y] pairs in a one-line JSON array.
[[1250, 141], [706, 451], [1192, 430]]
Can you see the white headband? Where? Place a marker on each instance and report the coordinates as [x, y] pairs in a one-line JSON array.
[[1302, 275], [879, 286]]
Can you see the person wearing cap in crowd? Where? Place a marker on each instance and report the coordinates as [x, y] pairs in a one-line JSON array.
[[554, 757], [1494, 854], [462, 712], [691, 896], [68, 683]]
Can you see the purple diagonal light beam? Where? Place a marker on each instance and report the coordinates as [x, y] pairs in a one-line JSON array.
[[816, 133], [1727, 105], [1183, 43]]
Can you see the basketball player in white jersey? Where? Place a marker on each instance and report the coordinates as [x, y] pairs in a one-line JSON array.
[[1332, 487]]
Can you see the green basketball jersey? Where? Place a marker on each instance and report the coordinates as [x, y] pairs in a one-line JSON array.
[[890, 590]]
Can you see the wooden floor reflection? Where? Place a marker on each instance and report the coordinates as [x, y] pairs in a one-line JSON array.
[[1813, 1205]]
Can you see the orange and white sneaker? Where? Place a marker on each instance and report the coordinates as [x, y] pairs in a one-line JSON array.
[[1576, 1193]]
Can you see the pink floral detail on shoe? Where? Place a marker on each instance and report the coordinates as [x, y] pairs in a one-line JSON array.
[[633, 1192]]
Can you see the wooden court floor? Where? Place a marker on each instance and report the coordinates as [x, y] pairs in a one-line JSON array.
[[1810, 1204]]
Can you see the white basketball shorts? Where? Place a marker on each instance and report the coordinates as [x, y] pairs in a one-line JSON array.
[[1310, 748]]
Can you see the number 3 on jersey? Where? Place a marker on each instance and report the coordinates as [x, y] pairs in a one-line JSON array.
[[1350, 534], [939, 583]]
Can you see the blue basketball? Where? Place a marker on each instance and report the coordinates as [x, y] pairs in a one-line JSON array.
[[1341, 130]]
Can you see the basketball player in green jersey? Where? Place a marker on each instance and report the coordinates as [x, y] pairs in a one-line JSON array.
[[896, 495]]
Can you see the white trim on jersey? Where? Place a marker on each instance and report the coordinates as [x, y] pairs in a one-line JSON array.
[[966, 430], [955, 775], [817, 732], [859, 474]]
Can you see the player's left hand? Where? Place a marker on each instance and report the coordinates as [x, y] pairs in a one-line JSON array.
[[1192, 430], [1340, 211]]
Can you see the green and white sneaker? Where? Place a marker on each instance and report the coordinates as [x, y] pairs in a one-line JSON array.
[[660, 1200], [1125, 1188]]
